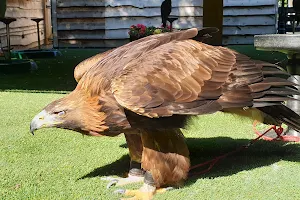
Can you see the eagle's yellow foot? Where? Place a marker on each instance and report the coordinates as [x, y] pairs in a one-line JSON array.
[[146, 192], [117, 181]]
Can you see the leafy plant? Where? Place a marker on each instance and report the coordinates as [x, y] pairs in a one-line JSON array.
[[140, 31]]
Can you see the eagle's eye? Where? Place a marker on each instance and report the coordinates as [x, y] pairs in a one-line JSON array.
[[60, 113]]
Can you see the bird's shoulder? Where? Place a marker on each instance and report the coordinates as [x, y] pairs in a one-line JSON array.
[[101, 74]]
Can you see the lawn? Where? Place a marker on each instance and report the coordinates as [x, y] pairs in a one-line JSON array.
[[61, 164]]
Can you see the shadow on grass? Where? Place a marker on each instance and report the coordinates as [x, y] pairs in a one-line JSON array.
[[119, 167], [261, 153]]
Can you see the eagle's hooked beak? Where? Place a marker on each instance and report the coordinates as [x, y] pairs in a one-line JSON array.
[[43, 120]]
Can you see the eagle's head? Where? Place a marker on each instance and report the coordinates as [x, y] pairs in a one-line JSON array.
[[74, 112]]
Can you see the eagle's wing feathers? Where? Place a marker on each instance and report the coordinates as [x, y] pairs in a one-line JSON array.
[[116, 60], [179, 77], [85, 65]]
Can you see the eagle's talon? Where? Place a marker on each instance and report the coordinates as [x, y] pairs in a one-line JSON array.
[[146, 192], [116, 181], [112, 183], [108, 178], [162, 190], [135, 194], [120, 191]]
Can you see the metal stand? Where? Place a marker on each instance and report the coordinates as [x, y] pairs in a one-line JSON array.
[[171, 20], [7, 21], [294, 105], [37, 53], [37, 20], [10, 66]]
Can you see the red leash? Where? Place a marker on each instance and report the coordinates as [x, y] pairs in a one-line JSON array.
[[212, 162], [283, 137]]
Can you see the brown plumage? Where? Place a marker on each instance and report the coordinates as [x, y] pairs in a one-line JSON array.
[[147, 89]]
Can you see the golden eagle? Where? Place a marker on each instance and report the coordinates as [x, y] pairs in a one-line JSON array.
[[147, 89]]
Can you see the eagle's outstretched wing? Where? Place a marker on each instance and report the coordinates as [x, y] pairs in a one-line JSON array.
[[190, 78], [179, 77]]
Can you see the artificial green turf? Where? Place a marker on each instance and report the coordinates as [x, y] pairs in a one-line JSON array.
[[61, 164], [269, 56]]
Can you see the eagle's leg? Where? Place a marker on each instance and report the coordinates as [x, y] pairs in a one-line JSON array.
[[165, 159], [135, 146], [165, 156], [136, 174]]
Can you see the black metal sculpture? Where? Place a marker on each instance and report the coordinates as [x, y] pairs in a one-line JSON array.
[[165, 8], [9, 65]]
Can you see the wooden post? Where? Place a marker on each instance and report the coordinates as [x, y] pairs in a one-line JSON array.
[[54, 23], [47, 22], [38, 33], [213, 17]]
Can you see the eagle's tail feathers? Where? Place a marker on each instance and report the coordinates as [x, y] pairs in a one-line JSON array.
[[283, 114]]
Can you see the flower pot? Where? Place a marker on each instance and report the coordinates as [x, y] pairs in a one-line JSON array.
[[132, 38]]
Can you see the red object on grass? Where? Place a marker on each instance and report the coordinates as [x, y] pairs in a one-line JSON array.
[[280, 135], [211, 163]]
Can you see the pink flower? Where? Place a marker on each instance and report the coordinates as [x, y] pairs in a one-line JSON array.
[[142, 32], [141, 26]]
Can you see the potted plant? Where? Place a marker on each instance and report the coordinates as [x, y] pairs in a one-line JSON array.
[[139, 31]]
